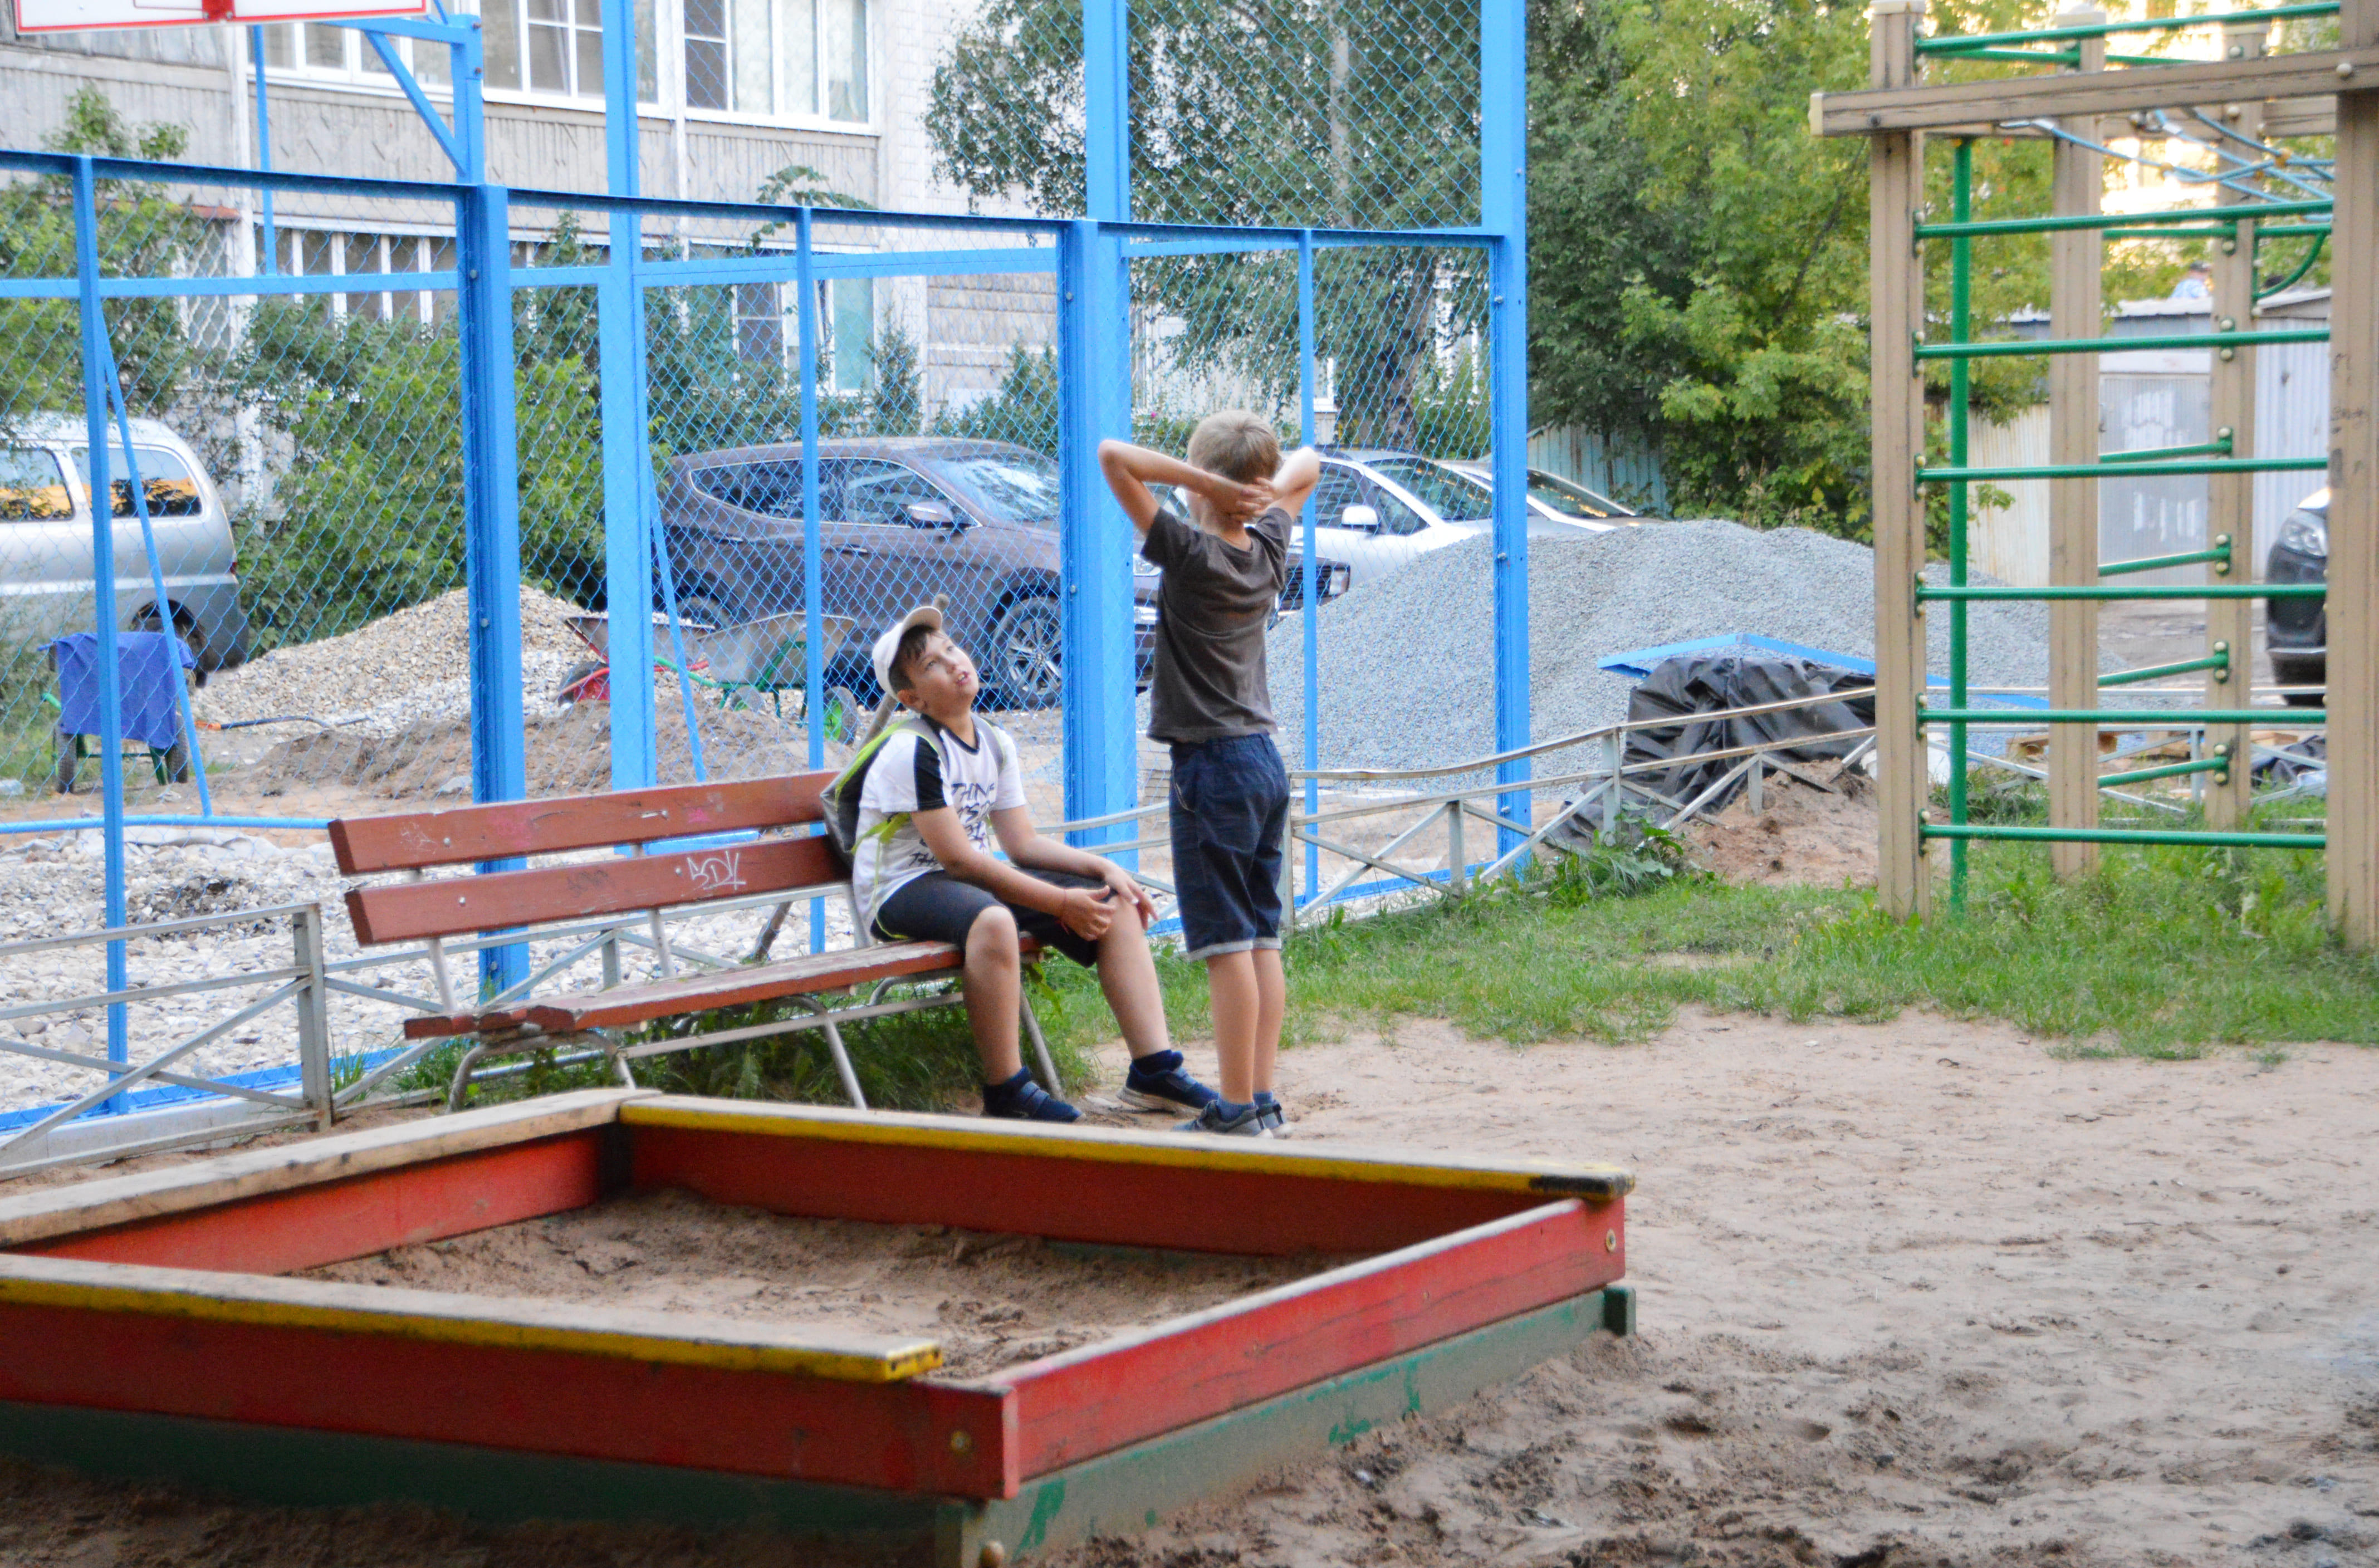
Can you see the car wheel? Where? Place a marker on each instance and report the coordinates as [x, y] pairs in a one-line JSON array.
[[2302, 673], [1026, 654]]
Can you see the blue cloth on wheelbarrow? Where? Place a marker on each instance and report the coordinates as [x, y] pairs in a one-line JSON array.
[[148, 682]]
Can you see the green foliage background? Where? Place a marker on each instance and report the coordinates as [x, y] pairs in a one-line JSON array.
[[1698, 260]]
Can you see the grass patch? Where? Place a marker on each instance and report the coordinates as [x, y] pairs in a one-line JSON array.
[[2165, 951]]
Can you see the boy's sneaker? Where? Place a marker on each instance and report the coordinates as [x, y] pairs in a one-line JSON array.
[[1027, 1102], [1243, 1121], [1169, 1088], [1275, 1120]]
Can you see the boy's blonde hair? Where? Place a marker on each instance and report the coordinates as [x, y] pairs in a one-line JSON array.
[[1237, 444]]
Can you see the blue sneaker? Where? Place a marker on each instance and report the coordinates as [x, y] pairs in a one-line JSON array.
[[1029, 1102], [1246, 1123], [1169, 1090], [1275, 1120]]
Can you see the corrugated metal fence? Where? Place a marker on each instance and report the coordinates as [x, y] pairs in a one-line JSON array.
[[1626, 469]]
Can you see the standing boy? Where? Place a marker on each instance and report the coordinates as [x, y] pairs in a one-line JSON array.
[[921, 868], [1224, 569]]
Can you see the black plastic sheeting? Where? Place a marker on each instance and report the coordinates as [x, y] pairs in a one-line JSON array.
[[2292, 762], [1701, 683]]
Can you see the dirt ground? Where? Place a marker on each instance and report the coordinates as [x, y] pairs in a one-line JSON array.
[[1803, 836], [992, 1301], [1919, 1293]]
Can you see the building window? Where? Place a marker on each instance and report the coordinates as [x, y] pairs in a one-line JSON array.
[[554, 48], [784, 59], [316, 49], [767, 329], [321, 252], [765, 59]]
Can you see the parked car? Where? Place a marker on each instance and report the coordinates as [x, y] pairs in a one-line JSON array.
[[47, 587], [1378, 510], [903, 518], [1557, 504], [1368, 520], [1333, 577], [2296, 632]]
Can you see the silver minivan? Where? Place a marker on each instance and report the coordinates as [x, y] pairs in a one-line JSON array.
[[45, 541]]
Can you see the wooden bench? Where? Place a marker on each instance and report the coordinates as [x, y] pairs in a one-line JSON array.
[[643, 879]]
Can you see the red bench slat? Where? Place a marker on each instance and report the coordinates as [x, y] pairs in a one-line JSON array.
[[452, 906], [439, 1026], [468, 834], [806, 975]]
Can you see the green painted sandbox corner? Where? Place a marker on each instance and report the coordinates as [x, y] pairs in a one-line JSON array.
[[1619, 1309]]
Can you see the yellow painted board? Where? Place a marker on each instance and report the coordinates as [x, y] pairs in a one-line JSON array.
[[682, 1339], [71, 1208], [1106, 1145]]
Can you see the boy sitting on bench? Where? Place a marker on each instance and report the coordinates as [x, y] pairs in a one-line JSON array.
[[922, 869]]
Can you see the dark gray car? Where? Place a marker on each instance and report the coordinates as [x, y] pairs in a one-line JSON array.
[[903, 518]]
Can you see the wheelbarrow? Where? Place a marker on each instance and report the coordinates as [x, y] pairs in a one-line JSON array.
[[767, 656], [150, 694]]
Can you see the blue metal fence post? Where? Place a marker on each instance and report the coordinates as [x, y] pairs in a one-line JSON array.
[[1503, 207], [619, 347], [271, 261], [492, 526], [1094, 396], [812, 578], [466, 60], [1308, 616], [95, 391]]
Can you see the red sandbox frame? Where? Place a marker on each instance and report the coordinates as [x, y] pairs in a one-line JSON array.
[[158, 1294]]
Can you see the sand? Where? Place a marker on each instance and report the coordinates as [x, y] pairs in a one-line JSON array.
[[1921, 1293], [1917, 1293], [1802, 836], [992, 1301]]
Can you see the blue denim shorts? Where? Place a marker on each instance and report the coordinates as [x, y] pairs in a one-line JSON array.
[[1230, 810]]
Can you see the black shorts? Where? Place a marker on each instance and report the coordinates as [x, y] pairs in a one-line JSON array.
[[937, 906]]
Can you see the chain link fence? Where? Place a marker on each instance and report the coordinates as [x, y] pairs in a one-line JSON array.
[[292, 371]]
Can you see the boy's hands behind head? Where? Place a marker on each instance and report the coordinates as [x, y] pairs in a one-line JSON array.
[[1235, 502]]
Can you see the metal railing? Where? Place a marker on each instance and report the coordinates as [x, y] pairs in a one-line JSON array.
[[303, 982], [1604, 792]]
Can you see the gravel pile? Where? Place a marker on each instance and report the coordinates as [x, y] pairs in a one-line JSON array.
[[395, 674], [1407, 665]]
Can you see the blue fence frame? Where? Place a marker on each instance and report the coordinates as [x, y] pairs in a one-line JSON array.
[[1089, 257]]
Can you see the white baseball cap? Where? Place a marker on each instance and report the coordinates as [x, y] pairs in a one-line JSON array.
[[888, 645]]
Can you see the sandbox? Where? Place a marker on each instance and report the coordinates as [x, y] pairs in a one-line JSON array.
[[957, 1339]]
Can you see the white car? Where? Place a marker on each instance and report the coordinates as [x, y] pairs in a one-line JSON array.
[[1378, 510], [1557, 504], [45, 540]]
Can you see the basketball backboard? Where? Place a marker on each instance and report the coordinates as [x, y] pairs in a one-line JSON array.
[[69, 16]]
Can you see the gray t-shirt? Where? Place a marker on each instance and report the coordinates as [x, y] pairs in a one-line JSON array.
[[1212, 604]]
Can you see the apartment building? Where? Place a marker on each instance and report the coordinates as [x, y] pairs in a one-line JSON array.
[[732, 92]]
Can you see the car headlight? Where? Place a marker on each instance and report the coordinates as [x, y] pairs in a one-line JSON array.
[[2307, 533]]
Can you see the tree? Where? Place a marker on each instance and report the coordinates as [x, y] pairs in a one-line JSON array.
[[140, 234], [1329, 112], [1698, 260]]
